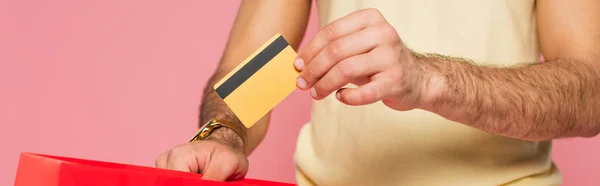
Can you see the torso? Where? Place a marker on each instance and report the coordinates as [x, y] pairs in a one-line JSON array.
[[374, 145]]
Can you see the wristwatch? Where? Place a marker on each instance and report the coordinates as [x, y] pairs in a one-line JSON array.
[[209, 127]]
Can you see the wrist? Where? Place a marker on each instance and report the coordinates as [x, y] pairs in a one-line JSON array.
[[228, 137], [434, 82], [436, 87], [223, 131]]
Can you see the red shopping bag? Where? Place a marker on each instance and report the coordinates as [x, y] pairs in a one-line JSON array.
[[47, 170]]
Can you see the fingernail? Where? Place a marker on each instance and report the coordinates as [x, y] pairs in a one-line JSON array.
[[313, 92], [299, 63], [301, 83], [337, 95]]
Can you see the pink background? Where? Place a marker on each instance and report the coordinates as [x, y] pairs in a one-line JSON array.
[[121, 81]]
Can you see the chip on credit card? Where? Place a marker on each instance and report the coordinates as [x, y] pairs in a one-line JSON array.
[[260, 82]]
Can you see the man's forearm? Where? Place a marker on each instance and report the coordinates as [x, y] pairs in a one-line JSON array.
[[214, 107], [558, 98]]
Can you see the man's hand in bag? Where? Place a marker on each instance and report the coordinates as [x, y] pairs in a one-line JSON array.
[[218, 158]]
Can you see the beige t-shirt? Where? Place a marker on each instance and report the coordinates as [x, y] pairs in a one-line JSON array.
[[375, 145]]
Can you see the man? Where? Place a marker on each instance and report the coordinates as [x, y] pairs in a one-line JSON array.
[[419, 92]]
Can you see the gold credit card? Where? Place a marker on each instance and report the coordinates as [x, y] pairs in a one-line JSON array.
[[260, 82]]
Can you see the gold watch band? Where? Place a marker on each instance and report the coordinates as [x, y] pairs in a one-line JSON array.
[[211, 126]]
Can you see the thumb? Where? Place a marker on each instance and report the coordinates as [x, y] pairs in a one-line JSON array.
[[225, 166], [366, 94], [217, 171]]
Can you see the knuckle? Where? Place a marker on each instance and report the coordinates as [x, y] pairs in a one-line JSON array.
[[178, 151], [160, 159], [335, 51], [330, 32], [373, 12], [162, 156], [173, 152], [348, 70], [311, 73], [388, 32], [309, 50]]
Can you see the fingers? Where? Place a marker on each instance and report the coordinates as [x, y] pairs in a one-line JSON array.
[[216, 172], [353, 69], [161, 161], [224, 167], [214, 160], [182, 161], [346, 25], [365, 94], [351, 45]]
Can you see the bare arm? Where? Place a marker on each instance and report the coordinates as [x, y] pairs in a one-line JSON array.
[[554, 99], [256, 22]]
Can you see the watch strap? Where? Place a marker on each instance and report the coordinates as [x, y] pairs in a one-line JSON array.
[[213, 125]]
